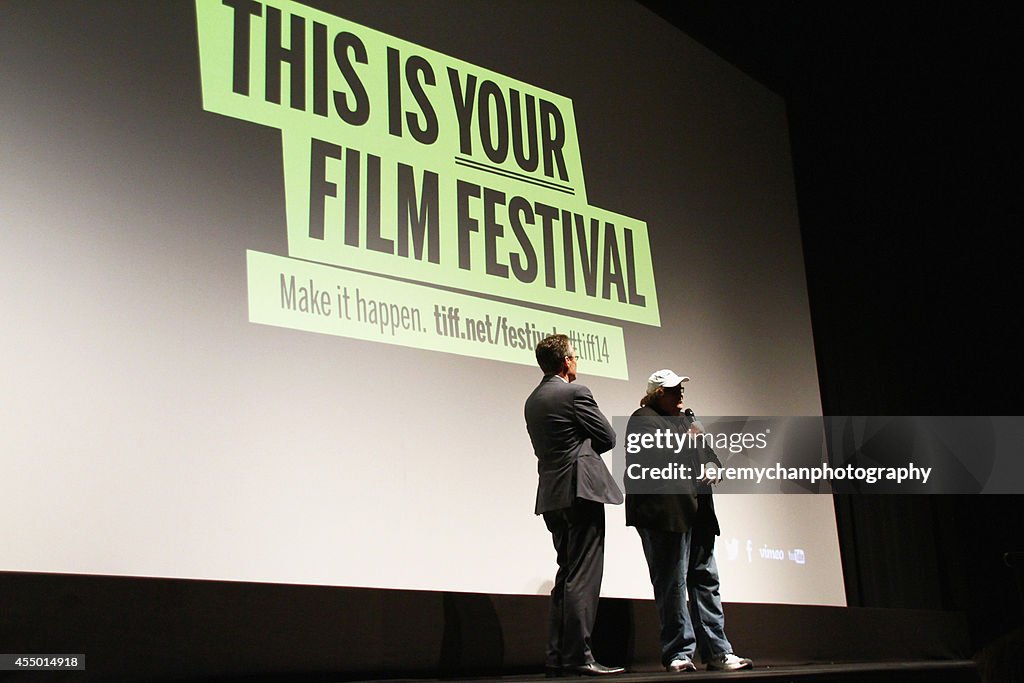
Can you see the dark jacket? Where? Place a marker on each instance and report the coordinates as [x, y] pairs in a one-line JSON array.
[[568, 432], [678, 512]]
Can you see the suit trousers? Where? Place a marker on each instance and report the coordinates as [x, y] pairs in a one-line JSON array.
[[578, 536]]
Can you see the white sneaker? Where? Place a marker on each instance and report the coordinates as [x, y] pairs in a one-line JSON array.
[[729, 662], [680, 664]]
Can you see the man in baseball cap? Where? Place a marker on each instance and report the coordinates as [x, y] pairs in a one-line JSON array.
[[678, 529], [665, 379]]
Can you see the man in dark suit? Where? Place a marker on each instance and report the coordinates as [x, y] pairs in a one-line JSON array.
[[568, 432], [677, 526]]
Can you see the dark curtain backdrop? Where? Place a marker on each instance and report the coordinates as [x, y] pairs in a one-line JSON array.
[[908, 179]]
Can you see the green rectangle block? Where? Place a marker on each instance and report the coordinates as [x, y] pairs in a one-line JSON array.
[[367, 192], [301, 295]]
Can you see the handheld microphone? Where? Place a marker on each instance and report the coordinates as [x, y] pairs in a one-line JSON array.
[[693, 419], [695, 423]]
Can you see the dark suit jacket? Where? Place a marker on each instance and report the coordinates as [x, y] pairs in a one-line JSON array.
[[568, 432], [676, 512]]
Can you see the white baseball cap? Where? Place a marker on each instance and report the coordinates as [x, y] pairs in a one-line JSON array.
[[664, 378]]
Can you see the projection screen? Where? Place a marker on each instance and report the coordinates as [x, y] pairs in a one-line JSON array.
[[274, 272]]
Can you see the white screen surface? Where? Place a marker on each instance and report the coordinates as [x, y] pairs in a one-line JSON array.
[[150, 428]]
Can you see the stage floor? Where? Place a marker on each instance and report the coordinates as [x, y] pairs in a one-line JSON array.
[[960, 671]]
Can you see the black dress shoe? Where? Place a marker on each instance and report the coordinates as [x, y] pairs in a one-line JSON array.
[[554, 672], [594, 669]]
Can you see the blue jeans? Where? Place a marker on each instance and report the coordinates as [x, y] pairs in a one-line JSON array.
[[681, 564]]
